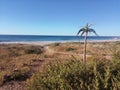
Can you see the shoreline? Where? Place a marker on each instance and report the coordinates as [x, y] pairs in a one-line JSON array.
[[42, 43]]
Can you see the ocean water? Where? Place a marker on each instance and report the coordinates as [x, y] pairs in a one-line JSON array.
[[40, 38]]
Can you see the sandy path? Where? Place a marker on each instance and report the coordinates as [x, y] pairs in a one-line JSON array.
[[51, 51]]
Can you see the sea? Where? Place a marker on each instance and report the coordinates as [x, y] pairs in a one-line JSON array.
[[53, 38]]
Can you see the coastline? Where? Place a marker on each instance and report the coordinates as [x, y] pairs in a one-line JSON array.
[[42, 43]]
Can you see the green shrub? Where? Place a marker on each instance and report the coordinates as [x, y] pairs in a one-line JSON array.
[[70, 49], [56, 44], [18, 75], [1, 78], [21, 74], [116, 54], [72, 75], [33, 50]]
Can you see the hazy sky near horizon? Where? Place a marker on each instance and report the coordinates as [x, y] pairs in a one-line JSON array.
[[59, 17]]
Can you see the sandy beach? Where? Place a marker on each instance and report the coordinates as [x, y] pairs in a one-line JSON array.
[[42, 43]]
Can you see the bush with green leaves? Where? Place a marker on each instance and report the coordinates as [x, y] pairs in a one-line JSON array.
[[72, 75], [56, 44], [33, 50], [70, 49], [1, 78]]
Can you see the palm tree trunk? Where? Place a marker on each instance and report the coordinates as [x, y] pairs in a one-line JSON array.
[[85, 44]]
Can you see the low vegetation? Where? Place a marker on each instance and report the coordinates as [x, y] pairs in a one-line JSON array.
[[1, 78], [33, 50], [62, 69], [72, 75], [70, 49]]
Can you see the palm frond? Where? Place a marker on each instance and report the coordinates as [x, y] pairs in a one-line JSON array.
[[82, 33], [89, 25], [92, 30], [81, 30], [86, 29]]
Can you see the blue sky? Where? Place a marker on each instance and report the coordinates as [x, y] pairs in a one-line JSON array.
[[59, 17]]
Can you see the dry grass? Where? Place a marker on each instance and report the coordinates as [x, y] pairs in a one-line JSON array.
[[18, 60]]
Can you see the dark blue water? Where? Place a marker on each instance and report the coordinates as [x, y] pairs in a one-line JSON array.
[[32, 38]]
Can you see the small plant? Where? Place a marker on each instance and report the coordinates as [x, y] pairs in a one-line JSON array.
[[21, 74], [1, 78], [116, 54], [18, 74], [56, 44], [70, 49], [33, 50]]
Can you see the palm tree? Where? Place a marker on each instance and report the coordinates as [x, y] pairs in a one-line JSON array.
[[85, 30]]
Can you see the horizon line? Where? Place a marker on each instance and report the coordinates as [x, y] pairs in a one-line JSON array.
[[51, 35]]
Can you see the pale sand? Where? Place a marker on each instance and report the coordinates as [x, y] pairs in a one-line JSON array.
[[30, 43], [42, 43]]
